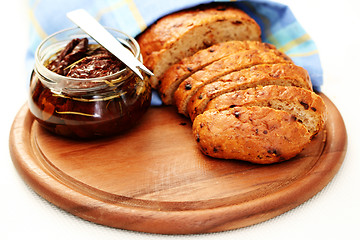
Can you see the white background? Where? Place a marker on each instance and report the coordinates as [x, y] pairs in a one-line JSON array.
[[331, 214]]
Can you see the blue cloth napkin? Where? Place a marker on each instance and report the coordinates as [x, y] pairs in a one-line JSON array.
[[276, 20]]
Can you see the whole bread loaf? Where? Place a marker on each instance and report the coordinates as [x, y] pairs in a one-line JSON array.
[[182, 34], [178, 72]]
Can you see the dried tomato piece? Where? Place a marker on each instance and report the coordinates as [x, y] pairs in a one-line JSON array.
[[96, 66], [75, 50]]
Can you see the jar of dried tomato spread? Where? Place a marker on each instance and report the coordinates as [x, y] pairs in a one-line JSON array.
[[80, 90]]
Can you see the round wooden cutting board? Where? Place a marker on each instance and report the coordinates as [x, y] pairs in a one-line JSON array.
[[154, 178]]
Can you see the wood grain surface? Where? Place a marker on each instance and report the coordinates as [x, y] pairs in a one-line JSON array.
[[155, 179]]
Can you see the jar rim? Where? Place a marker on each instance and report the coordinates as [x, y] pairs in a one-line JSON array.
[[52, 75]]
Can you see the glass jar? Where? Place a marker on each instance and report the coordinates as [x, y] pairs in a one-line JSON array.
[[91, 107]]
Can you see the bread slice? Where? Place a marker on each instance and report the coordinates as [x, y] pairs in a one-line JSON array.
[[305, 106], [217, 69], [178, 72], [256, 134], [182, 34], [284, 74]]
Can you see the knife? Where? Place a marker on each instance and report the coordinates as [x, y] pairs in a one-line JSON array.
[[94, 29]]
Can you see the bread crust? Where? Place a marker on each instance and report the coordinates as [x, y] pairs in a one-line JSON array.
[[235, 62], [304, 105], [285, 74], [175, 36], [178, 72], [255, 134]]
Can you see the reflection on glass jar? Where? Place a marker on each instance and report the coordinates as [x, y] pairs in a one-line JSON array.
[[86, 107]]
